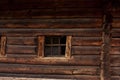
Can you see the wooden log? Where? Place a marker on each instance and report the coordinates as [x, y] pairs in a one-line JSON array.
[[86, 41], [115, 50], [115, 78], [20, 49], [115, 60], [22, 41], [115, 42], [78, 60], [37, 32], [52, 23], [81, 77], [86, 50], [115, 71], [44, 69], [3, 46]]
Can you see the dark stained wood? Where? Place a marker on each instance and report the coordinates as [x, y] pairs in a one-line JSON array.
[[76, 60], [115, 71], [52, 23], [41, 69], [115, 60], [105, 53], [86, 41], [115, 42], [86, 50], [31, 41], [89, 32], [20, 49], [115, 50]]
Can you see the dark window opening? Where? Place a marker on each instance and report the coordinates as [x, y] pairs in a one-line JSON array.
[[55, 46]]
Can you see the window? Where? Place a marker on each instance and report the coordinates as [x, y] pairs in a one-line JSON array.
[[54, 46]]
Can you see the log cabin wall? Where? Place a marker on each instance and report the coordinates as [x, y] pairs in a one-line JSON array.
[[115, 45], [22, 22]]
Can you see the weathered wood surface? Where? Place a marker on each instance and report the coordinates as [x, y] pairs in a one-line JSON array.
[[44, 69], [89, 32], [76, 60], [51, 23]]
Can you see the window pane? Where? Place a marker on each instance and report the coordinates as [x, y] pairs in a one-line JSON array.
[[55, 51], [55, 40], [63, 40], [47, 51], [47, 40], [63, 50]]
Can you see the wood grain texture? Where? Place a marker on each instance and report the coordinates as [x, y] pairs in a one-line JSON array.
[[86, 50], [44, 69], [41, 40], [86, 41], [3, 46], [76, 60], [31, 41]]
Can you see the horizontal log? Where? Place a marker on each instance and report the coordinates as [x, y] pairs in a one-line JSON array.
[[12, 49], [115, 42], [22, 41], [52, 13], [78, 3], [115, 71], [81, 77], [37, 69], [115, 78], [86, 50], [116, 23], [115, 60], [52, 23], [86, 41], [79, 60], [115, 50], [37, 32]]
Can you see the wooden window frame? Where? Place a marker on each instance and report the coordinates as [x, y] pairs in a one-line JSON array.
[[41, 46], [3, 46]]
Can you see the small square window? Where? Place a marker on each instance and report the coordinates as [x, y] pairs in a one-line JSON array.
[[54, 46]]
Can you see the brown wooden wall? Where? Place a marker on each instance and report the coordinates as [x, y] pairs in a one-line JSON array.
[[95, 50]]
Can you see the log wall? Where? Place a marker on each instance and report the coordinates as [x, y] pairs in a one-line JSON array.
[[95, 45]]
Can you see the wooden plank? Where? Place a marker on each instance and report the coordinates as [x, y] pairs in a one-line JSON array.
[[115, 42], [37, 32], [52, 23], [41, 40], [78, 60], [115, 60], [38, 69], [105, 53], [78, 3], [116, 23], [20, 49], [86, 41], [115, 71], [115, 78], [86, 59], [115, 50], [22, 41], [53, 13], [86, 50], [81, 77], [3, 46], [68, 47]]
